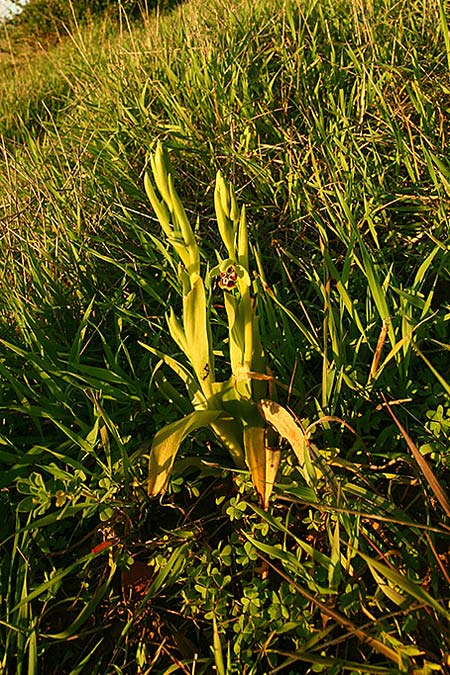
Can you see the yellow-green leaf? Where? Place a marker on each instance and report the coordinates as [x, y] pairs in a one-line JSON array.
[[197, 335], [167, 443], [176, 331], [284, 424], [159, 207], [160, 167], [262, 461]]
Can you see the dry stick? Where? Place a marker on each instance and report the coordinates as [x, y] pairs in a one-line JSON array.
[[291, 383], [378, 349], [366, 516], [422, 463]]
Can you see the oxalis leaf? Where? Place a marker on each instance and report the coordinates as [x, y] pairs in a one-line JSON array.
[[167, 443]]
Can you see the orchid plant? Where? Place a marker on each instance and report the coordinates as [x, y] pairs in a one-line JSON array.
[[240, 411], [230, 408]]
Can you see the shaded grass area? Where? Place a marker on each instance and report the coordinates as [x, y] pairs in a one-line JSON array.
[[331, 120]]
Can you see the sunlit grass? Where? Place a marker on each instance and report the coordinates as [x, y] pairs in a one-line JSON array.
[[331, 121]]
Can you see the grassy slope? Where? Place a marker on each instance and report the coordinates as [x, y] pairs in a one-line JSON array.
[[331, 119]]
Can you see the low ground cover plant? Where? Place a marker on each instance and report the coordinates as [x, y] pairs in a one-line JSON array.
[[278, 329]]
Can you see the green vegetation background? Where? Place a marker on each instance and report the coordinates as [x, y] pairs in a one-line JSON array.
[[331, 119]]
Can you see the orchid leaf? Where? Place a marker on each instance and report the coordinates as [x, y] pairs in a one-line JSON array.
[[263, 462], [167, 442]]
